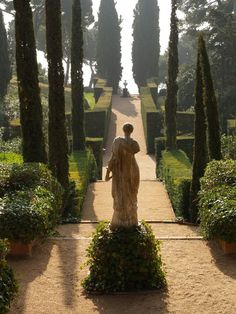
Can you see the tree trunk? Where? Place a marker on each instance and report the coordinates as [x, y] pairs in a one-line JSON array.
[[58, 145]]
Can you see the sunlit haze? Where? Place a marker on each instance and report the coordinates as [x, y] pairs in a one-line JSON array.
[[125, 10]]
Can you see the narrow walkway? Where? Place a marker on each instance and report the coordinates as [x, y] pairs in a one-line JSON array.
[[153, 201], [200, 278]]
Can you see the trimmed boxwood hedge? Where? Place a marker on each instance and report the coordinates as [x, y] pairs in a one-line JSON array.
[[83, 169], [152, 119], [175, 170], [152, 85], [185, 122], [97, 120], [8, 285], [96, 144], [217, 201], [184, 143]]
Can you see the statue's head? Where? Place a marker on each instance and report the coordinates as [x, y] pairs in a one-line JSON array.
[[128, 128]]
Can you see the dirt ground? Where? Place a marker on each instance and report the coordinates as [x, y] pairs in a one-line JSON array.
[[201, 280]]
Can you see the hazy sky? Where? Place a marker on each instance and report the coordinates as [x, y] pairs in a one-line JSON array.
[[125, 9]]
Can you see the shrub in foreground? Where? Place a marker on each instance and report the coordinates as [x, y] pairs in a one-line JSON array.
[[27, 215], [30, 201], [217, 205], [124, 260], [8, 286]]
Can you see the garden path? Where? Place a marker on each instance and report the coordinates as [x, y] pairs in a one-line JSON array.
[[200, 278]]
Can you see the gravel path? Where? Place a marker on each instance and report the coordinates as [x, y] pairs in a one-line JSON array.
[[201, 280]]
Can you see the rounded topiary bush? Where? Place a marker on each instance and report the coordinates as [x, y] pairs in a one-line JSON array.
[[124, 260], [217, 201]]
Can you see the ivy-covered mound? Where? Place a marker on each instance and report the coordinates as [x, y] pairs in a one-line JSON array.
[[8, 286], [124, 260]]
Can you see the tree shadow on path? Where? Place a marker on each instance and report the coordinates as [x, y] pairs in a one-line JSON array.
[[27, 270], [125, 106]]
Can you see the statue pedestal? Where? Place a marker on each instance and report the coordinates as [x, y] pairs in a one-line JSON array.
[[124, 260]]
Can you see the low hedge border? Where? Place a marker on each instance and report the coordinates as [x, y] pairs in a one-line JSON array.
[[184, 143], [152, 119], [8, 285], [83, 169], [96, 144], [175, 170]]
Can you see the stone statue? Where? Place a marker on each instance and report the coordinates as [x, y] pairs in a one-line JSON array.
[[125, 179]]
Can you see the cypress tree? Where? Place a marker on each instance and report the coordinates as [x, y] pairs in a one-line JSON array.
[[146, 45], [213, 125], [77, 89], [5, 65], [108, 44], [58, 146], [172, 86], [200, 153], [28, 87]]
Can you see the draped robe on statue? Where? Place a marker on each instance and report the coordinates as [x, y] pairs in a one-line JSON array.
[[125, 182]]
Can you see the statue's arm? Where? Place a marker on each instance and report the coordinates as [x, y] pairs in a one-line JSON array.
[[132, 146]]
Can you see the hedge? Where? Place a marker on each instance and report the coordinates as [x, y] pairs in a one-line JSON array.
[[83, 169], [185, 122], [231, 127], [184, 143], [152, 119], [8, 285], [217, 201], [96, 144], [99, 85], [175, 170], [152, 85], [97, 120]]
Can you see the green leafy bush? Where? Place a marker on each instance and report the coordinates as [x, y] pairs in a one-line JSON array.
[[217, 201], [219, 173], [124, 260], [11, 158], [175, 170], [28, 175], [228, 146], [8, 285], [28, 214]]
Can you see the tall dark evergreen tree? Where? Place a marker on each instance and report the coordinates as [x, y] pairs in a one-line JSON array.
[[213, 125], [146, 45], [77, 78], [172, 86], [5, 66], [108, 44], [58, 146], [28, 87], [200, 152]]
